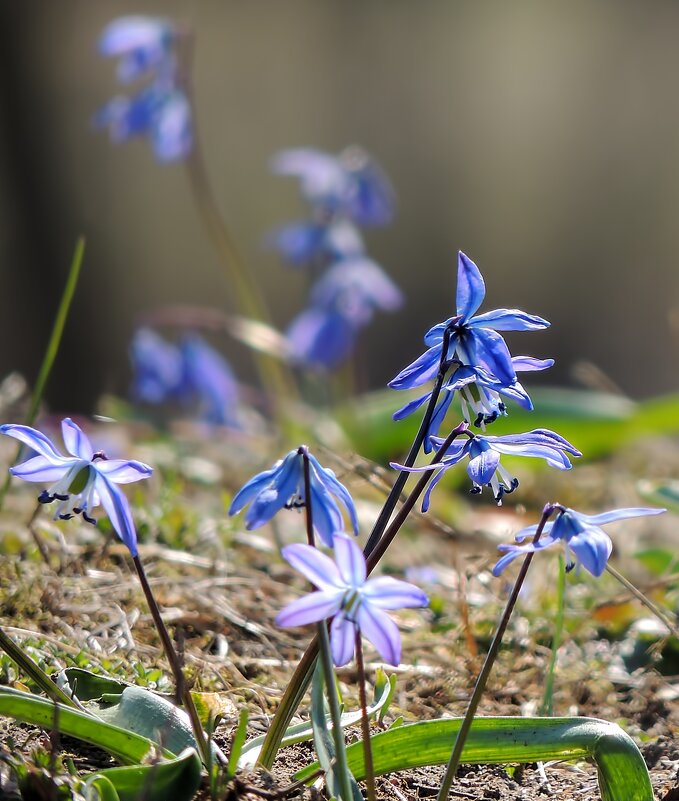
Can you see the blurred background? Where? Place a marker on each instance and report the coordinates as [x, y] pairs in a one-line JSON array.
[[540, 138]]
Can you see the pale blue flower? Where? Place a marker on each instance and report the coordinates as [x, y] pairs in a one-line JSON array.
[[473, 340], [321, 338], [584, 542], [484, 452], [209, 382], [282, 487], [157, 367], [350, 184], [310, 243], [354, 602], [81, 481], [141, 43]]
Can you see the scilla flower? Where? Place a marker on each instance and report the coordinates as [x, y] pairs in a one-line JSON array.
[[484, 453], [354, 603], [282, 487], [583, 540], [81, 481], [473, 340]]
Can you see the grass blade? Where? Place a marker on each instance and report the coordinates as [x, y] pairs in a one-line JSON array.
[[623, 775]]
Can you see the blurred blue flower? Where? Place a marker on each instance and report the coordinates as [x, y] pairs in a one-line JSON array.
[[210, 381], [584, 542], [484, 468], [192, 373], [309, 243], [354, 603], [282, 487], [350, 184], [473, 340], [142, 44], [321, 338], [161, 110], [82, 480]]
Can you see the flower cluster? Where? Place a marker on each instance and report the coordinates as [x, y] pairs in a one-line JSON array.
[[81, 481], [343, 192], [191, 373], [147, 49]]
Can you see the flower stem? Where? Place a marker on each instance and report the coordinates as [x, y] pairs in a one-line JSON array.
[[548, 697], [303, 451], [365, 721], [182, 690], [392, 498], [335, 714], [480, 685], [52, 347], [301, 678]]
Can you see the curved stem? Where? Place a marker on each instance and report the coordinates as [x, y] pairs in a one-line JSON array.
[[482, 679], [365, 720]]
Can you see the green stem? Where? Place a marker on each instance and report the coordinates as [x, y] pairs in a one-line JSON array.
[[482, 679], [365, 721], [548, 697], [182, 689], [335, 714], [52, 347]]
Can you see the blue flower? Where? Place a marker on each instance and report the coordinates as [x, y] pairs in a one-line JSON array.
[[157, 367], [583, 541], [161, 110], [350, 184], [81, 481], [308, 243], [282, 487], [321, 338], [210, 381], [141, 43], [473, 340], [354, 603], [484, 453], [481, 396]]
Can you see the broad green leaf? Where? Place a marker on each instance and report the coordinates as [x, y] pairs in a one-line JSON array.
[[87, 686], [99, 788], [177, 779], [623, 775], [126, 746], [657, 560]]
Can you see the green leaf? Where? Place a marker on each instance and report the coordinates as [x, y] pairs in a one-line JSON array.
[[99, 788], [177, 779], [87, 686], [382, 683], [623, 775], [661, 493], [126, 746], [657, 560], [238, 742]]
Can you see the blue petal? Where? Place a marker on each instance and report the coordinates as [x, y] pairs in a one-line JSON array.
[[333, 485], [209, 378], [37, 441], [482, 466], [508, 320], [410, 407], [386, 592], [372, 197], [156, 365], [314, 565], [255, 485], [76, 441], [120, 471], [320, 338], [298, 243], [420, 371], [488, 349], [350, 561], [529, 363], [326, 515], [172, 129], [553, 457], [471, 289], [342, 639], [40, 469], [310, 609], [616, 514], [382, 632], [592, 548], [118, 511], [274, 497]]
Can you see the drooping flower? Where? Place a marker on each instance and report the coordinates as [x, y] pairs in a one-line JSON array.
[[354, 602], [282, 487], [584, 542], [157, 367], [481, 395], [472, 340], [81, 481], [160, 110], [484, 454], [350, 184]]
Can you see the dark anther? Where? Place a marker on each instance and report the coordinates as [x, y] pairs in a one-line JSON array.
[[502, 407], [475, 490], [479, 420], [297, 503], [89, 519], [45, 497], [60, 497], [65, 517], [570, 566], [99, 455], [512, 487]]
